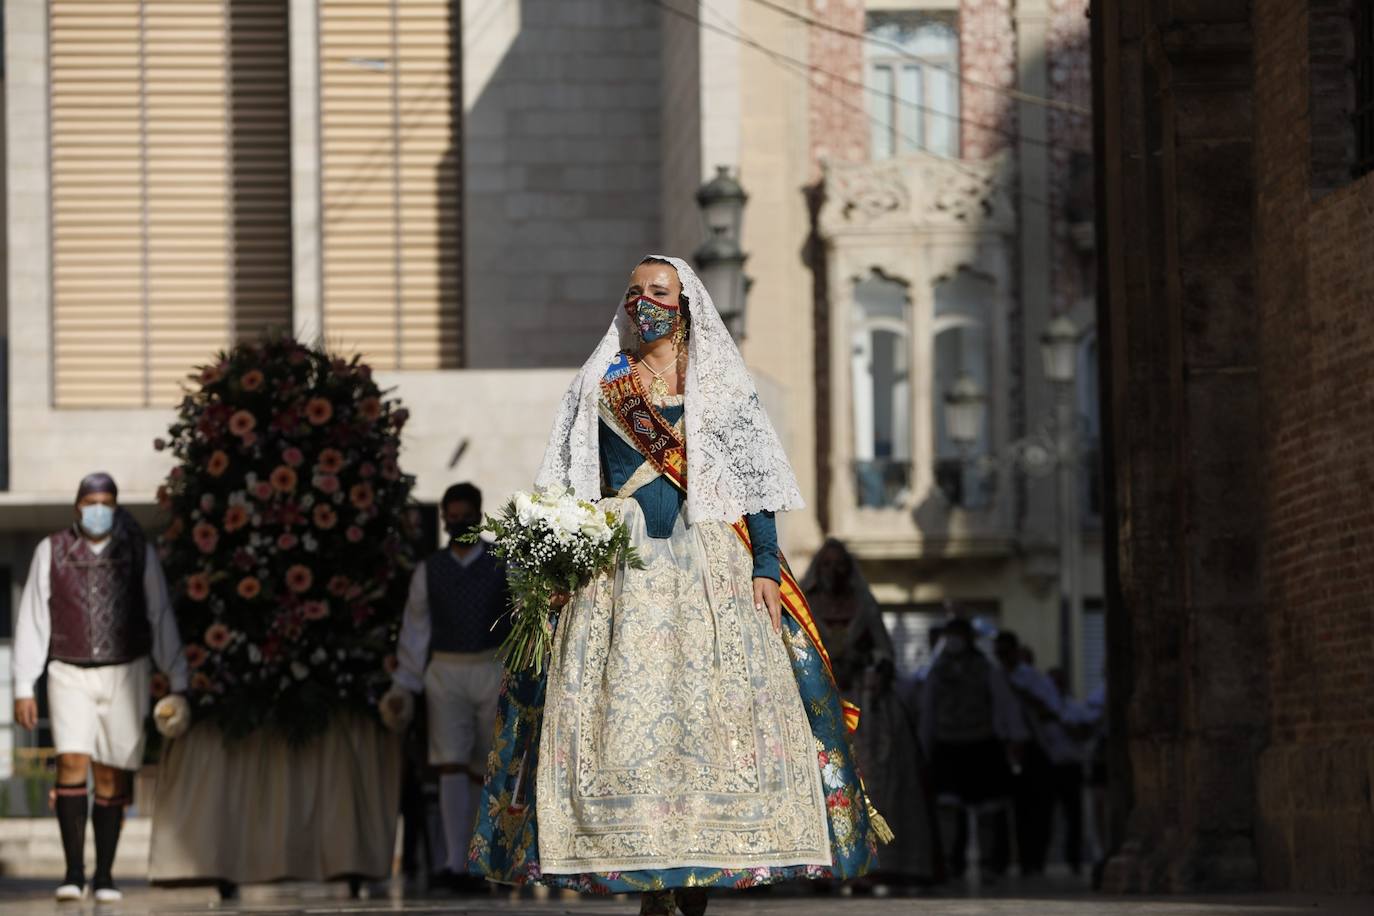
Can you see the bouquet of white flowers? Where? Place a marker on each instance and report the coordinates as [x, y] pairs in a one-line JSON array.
[[554, 544]]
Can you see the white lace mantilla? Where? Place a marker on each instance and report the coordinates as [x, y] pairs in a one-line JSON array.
[[735, 462]]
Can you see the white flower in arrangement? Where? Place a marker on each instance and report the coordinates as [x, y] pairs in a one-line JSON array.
[[318, 657], [299, 671]]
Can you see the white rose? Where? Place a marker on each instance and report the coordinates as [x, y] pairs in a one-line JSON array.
[[524, 507]]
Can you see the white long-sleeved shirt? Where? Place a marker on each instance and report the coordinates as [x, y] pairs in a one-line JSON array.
[[33, 627], [412, 645]]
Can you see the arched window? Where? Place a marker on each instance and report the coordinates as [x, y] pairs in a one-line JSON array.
[[961, 347], [881, 374], [913, 84]]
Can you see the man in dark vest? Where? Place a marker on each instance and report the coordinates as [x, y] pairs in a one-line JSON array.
[[94, 607], [456, 616]]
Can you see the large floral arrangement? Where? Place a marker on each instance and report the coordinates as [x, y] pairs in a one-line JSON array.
[[284, 546], [555, 544]]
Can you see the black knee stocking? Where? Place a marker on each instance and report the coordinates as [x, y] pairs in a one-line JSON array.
[[107, 819], [71, 804]]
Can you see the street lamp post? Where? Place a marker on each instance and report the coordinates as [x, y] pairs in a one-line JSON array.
[[1037, 454], [720, 258]]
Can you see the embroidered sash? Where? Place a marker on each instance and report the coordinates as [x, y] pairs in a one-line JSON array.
[[664, 450]]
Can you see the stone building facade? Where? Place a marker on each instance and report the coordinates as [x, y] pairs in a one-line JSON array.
[[1236, 212]]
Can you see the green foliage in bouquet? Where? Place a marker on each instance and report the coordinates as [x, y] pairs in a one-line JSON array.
[[286, 548], [553, 544]]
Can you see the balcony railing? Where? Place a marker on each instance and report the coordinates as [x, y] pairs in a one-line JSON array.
[[882, 483]]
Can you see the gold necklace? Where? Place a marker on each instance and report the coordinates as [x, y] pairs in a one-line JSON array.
[[658, 388]]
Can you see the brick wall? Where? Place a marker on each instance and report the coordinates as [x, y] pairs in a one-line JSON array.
[[1315, 283], [838, 107]]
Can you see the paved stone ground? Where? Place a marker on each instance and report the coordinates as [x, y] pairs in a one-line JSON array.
[[1042, 898]]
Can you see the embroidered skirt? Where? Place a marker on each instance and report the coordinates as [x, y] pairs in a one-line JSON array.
[[675, 740]]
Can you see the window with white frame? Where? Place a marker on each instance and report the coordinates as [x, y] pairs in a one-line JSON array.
[[961, 347], [880, 370], [912, 60]]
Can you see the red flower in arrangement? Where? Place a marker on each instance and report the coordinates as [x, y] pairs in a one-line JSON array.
[[399, 418], [248, 439], [206, 536], [338, 585], [235, 518], [390, 470], [370, 409], [331, 461], [200, 682], [367, 470], [218, 636], [326, 483], [262, 491], [287, 541], [837, 799], [195, 655], [218, 464], [211, 374], [198, 587], [249, 588], [158, 685], [283, 479], [361, 495], [293, 456], [354, 534], [325, 518], [315, 610], [299, 578], [242, 423], [252, 380], [319, 411]]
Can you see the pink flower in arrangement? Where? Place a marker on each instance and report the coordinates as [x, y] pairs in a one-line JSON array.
[[338, 585], [315, 610], [201, 683], [248, 439], [159, 686], [217, 636], [370, 409], [195, 655], [252, 380], [293, 456], [218, 464], [211, 374], [331, 461], [319, 411], [249, 588], [361, 496], [206, 537], [242, 423], [325, 518], [198, 587], [262, 491], [326, 483], [354, 534], [235, 518], [287, 541], [283, 479], [367, 470], [299, 578]]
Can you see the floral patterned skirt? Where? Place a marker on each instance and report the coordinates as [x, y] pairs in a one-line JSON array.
[[675, 739]]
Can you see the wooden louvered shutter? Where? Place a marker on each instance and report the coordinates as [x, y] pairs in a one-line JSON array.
[[390, 188], [171, 211], [99, 339]]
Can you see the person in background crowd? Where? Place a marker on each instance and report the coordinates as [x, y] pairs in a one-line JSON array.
[[94, 607], [886, 742], [456, 616], [972, 729], [1040, 704], [1068, 752]]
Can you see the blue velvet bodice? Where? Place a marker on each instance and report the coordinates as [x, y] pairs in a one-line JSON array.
[[661, 502]]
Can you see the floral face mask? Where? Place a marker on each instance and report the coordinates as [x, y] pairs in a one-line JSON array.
[[653, 319]]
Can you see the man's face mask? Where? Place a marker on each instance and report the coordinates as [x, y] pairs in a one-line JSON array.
[[653, 319], [97, 520]]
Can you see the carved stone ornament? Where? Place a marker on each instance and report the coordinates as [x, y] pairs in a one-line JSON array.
[[918, 192]]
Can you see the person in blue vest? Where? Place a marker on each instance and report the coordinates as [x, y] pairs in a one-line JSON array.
[[456, 616]]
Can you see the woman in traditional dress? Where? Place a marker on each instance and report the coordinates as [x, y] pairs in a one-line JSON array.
[[886, 742], [687, 732]]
